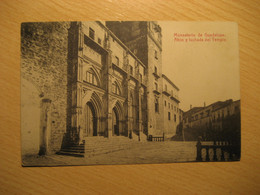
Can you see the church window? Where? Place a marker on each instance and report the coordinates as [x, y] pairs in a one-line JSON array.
[[155, 70], [155, 54], [91, 33], [91, 78], [208, 111], [156, 105], [99, 41], [115, 88], [117, 60], [131, 70], [156, 86], [141, 78]]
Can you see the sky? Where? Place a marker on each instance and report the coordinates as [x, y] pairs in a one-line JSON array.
[[203, 71]]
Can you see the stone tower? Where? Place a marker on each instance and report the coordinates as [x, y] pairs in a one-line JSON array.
[[143, 38]]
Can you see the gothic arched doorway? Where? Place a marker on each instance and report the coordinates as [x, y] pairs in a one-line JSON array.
[[115, 122], [90, 120]]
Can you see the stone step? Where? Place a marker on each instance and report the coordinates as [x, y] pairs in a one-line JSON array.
[[101, 145], [98, 145], [73, 150], [76, 154], [74, 147], [106, 148], [105, 145]]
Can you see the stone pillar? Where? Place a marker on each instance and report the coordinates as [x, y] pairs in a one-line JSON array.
[[140, 121], [109, 91], [80, 40], [109, 119], [79, 114], [76, 112], [129, 104], [79, 67], [129, 114], [74, 75], [45, 127]]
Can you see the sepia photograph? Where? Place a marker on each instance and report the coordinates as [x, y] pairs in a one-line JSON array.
[[129, 92]]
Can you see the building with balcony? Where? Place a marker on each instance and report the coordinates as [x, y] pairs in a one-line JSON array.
[[217, 117], [172, 113]]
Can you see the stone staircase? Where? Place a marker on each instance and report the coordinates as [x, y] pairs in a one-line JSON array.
[[137, 151], [98, 145], [72, 150]]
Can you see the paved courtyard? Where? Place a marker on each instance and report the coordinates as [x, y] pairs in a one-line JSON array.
[[140, 152]]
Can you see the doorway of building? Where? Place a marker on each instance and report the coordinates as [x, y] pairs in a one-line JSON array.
[[90, 120], [115, 122]]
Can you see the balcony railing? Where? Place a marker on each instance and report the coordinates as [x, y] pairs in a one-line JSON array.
[[175, 98], [166, 92], [156, 138], [223, 146], [156, 75]]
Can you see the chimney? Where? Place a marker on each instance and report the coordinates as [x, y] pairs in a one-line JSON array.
[[190, 106], [204, 104]]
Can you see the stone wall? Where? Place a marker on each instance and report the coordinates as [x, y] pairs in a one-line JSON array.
[[44, 49]]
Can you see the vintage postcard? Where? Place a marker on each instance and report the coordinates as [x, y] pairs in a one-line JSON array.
[[129, 92]]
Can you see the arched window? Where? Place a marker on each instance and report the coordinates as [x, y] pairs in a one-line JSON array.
[[115, 89], [91, 77]]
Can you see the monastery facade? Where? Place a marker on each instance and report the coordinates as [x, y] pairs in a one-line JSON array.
[[87, 79]]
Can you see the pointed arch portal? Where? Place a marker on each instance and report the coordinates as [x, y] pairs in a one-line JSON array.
[[90, 120], [115, 122], [117, 118]]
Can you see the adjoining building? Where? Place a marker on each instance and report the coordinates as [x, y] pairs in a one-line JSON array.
[[91, 79], [212, 118], [172, 113]]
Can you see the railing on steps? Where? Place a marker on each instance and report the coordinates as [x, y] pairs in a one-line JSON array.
[[156, 138], [224, 146]]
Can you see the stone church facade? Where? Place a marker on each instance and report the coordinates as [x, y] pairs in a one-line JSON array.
[[92, 79]]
